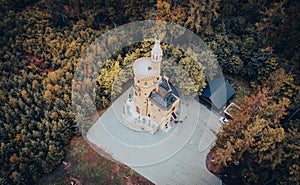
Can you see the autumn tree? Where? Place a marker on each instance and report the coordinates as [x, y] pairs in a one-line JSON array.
[[252, 142], [200, 15]]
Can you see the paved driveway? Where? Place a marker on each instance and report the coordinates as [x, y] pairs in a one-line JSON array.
[[176, 157]]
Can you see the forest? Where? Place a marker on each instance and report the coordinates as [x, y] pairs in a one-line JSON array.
[[255, 42]]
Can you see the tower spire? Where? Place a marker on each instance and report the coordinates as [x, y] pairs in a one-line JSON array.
[[156, 53]]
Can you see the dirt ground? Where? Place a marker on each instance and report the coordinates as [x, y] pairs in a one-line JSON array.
[[82, 165]]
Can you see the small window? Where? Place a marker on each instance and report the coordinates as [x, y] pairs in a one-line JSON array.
[[149, 115], [145, 83], [137, 109], [138, 81]]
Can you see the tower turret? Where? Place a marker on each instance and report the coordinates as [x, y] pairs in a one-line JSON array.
[[156, 55]]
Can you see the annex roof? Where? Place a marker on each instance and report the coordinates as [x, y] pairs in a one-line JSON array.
[[163, 102], [164, 84]]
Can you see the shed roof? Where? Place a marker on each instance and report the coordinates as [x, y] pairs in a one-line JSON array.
[[219, 91]]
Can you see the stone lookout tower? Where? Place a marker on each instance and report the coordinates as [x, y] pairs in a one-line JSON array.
[[153, 103]]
